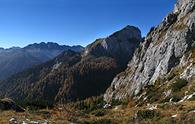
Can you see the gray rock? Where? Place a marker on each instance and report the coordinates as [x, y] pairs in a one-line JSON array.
[[163, 49], [120, 45]]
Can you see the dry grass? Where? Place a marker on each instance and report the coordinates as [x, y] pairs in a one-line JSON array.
[[123, 115], [179, 26], [193, 56], [161, 37]]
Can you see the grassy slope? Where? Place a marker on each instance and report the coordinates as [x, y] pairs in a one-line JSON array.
[[124, 115]]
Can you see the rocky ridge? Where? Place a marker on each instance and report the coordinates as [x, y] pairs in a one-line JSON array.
[[167, 47], [120, 45]]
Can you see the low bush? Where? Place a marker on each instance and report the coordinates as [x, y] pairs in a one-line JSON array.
[[102, 121], [90, 104], [176, 98], [147, 114], [99, 112], [179, 83], [192, 99], [171, 76], [116, 102], [154, 96], [35, 104]]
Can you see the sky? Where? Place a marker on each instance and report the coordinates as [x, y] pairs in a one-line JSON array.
[[74, 22]]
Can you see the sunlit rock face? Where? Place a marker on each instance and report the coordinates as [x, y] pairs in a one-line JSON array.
[[163, 49], [120, 45], [184, 7]]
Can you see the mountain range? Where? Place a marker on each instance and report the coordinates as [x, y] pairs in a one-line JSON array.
[[16, 59], [66, 77]]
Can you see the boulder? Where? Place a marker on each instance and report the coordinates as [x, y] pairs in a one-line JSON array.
[[9, 104]]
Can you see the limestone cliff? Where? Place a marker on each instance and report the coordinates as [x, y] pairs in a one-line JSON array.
[[168, 46]]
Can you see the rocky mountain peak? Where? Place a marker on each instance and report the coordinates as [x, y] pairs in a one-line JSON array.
[[168, 46], [43, 45], [120, 45], [129, 32]]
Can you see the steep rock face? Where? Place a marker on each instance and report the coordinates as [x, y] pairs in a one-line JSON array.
[[120, 45], [164, 48], [74, 76], [184, 7]]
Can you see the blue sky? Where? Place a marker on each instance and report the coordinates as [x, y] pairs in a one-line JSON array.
[[74, 22]]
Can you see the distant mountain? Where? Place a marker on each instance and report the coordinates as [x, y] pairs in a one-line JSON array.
[[15, 59], [1, 49], [72, 76], [53, 46]]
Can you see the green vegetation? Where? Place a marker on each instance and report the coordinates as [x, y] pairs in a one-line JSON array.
[[152, 92], [154, 96], [147, 114], [192, 99], [171, 76], [90, 104], [179, 83], [102, 121], [176, 98], [116, 102], [99, 112], [35, 104]]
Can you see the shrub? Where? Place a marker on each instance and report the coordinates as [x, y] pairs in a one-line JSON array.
[[102, 121], [154, 96], [131, 104], [171, 76], [192, 99], [165, 100], [35, 104], [176, 98], [99, 112], [116, 102], [147, 114], [90, 104], [179, 83]]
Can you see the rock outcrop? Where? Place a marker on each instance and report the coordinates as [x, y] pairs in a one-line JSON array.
[[120, 45], [8, 104], [167, 46]]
